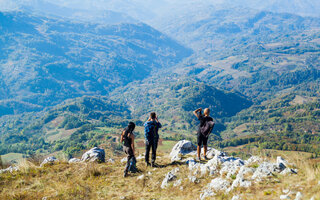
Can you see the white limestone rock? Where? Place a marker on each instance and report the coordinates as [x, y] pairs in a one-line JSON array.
[[284, 196], [140, 157], [171, 176], [49, 161], [287, 171], [177, 183], [181, 148], [236, 197], [245, 171], [231, 167], [193, 179], [9, 169], [94, 155], [253, 159], [240, 182], [219, 184], [298, 196], [281, 163], [141, 177], [264, 170], [206, 193], [214, 152], [74, 160]]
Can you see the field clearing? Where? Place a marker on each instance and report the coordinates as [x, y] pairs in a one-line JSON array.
[[11, 158], [60, 134]]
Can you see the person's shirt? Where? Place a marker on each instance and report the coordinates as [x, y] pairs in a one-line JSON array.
[[127, 141], [203, 119], [151, 129]]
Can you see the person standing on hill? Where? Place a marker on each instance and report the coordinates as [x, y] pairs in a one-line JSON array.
[[151, 128], [127, 138], [205, 128]]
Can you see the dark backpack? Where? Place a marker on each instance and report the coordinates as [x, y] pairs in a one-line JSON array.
[[149, 130], [133, 165], [207, 128]]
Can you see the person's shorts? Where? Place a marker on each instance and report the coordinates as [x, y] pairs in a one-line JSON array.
[[128, 150], [202, 140]]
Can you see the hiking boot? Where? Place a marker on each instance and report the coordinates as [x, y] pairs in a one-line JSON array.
[[153, 164], [125, 174], [148, 164], [198, 159], [206, 158]]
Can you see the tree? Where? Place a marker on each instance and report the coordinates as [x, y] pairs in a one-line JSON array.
[[1, 164]]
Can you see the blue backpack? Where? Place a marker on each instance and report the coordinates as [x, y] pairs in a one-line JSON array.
[[149, 129], [133, 165]]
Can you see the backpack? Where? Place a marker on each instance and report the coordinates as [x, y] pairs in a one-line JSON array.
[[149, 130], [133, 165], [207, 128]]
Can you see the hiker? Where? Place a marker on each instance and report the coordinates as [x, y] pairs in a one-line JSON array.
[[127, 137], [151, 128], [205, 128]]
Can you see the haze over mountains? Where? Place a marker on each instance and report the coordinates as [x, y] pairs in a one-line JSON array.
[[47, 60], [170, 56]]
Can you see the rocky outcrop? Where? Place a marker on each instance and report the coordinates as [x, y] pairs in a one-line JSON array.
[[228, 172], [49, 161], [183, 147], [169, 177], [9, 169], [219, 184], [74, 160], [94, 155]]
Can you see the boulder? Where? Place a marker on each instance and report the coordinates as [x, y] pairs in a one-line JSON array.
[[239, 182], [244, 171], [281, 163], [94, 155], [298, 196], [111, 160], [284, 196], [177, 183], [140, 157], [74, 160], [141, 177], [287, 171], [181, 148], [193, 179], [236, 197], [219, 184], [231, 167], [169, 177], [264, 170], [214, 152], [253, 159], [206, 193], [49, 161], [9, 169], [192, 164]]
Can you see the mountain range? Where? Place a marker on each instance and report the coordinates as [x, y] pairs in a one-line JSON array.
[[68, 71], [47, 60]]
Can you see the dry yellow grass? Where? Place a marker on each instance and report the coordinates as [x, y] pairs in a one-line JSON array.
[[105, 181]]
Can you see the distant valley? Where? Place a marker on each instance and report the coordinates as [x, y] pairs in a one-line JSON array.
[[69, 85]]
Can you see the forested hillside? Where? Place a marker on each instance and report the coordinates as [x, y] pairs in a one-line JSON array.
[[44, 61], [72, 79], [259, 54]]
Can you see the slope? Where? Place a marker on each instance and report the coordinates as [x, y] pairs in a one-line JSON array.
[[47, 60]]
